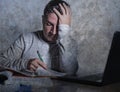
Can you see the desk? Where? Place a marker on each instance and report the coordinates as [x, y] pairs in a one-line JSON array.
[[51, 85]]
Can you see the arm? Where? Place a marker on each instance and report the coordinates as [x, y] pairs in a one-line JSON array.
[[69, 58], [13, 57], [64, 20]]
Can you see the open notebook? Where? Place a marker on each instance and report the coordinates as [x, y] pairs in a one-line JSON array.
[[8, 74], [111, 73], [39, 72]]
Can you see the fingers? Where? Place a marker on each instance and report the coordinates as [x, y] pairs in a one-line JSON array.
[[65, 10], [68, 9], [35, 63], [57, 12], [64, 18], [42, 64], [32, 68]]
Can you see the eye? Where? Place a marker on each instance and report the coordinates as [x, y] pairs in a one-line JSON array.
[[48, 24]]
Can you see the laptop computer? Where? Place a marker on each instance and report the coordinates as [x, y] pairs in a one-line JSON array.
[[111, 72]]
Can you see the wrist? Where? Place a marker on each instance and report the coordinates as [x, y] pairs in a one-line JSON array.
[[64, 26], [63, 30]]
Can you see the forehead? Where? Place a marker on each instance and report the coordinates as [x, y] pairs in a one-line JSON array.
[[51, 17]]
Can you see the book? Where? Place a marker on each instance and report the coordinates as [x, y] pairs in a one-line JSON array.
[[40, 72]]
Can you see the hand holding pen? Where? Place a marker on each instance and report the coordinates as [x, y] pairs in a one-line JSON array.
[[50, 72], [33, 64]]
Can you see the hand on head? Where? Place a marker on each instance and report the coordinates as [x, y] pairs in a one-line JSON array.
[[65, 17]]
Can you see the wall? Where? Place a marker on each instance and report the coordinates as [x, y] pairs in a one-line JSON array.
[[93, 25]]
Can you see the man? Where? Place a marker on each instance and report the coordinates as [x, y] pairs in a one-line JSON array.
[[50, 44]]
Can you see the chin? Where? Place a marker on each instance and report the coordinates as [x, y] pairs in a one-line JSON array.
[[51, 40]]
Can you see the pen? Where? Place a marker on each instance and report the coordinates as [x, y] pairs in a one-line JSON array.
[[39, 56]]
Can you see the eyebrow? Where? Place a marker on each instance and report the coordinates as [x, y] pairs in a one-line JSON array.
[[49, 22]]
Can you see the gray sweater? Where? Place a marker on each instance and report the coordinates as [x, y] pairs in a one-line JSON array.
[[26, 46]]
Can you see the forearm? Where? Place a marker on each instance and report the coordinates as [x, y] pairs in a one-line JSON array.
[[15, 64], [70, 63], [12, 57]]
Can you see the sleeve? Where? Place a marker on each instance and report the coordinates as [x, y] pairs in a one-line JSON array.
[[70, 62], [12, 57], [63, 30], [70, 47]]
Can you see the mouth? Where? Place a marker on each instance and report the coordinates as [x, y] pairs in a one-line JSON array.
[[52, 37]]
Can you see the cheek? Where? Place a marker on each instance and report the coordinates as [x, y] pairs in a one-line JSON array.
[[47, 29]]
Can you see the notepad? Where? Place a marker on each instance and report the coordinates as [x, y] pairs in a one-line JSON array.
[[39, 72], [48, 72]]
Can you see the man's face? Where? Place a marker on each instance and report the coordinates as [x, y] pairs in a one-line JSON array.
[[50, 27]]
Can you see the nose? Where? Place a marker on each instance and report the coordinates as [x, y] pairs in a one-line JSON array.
[[54, 30]]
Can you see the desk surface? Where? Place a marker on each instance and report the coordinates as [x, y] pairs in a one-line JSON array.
[[51, 85]]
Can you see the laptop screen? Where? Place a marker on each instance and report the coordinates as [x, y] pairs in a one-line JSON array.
[[113, 63]]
